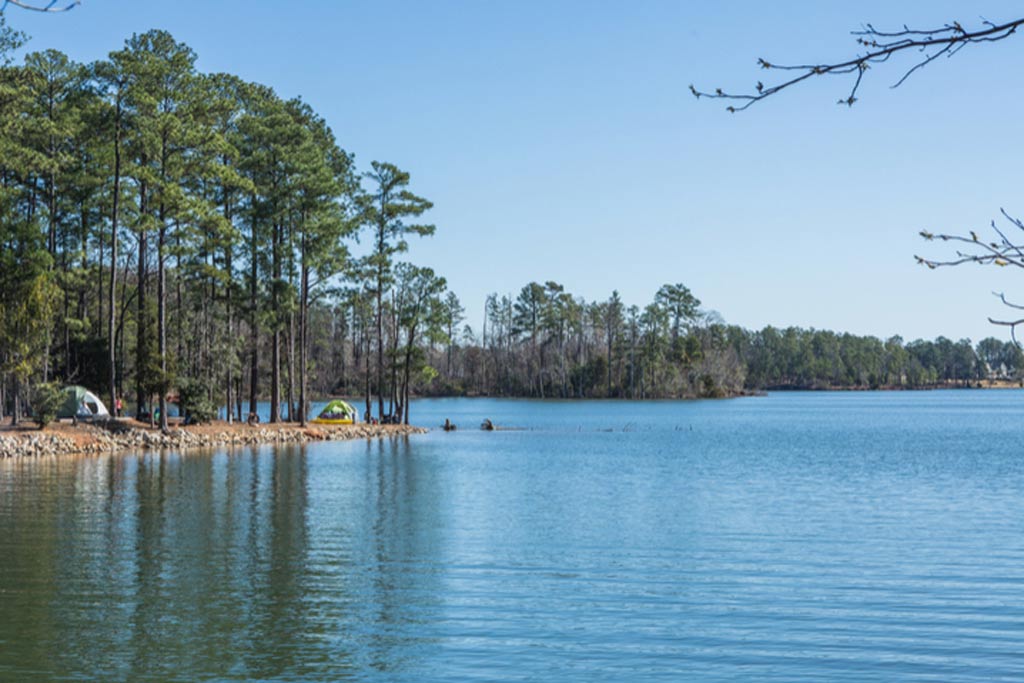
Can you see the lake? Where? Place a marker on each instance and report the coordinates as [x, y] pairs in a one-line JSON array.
[[792, 537]]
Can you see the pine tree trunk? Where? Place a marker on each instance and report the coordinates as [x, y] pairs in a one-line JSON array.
[[141, 322], [342, 368], [121, 339], [303, 335], [366, 362], [275, 349], [291, 367], [114, 215], [405, 378], [254, 330], [380, 345], [101, 284], [393, 390], [161, 317], [229, 372], [17, 402]]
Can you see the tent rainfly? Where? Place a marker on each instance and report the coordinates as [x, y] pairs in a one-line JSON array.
[[81, 403], [337, 413]]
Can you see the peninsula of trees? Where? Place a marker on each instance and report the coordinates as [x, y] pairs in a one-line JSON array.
[[166, 232]]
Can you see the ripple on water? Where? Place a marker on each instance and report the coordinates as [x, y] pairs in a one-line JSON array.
[[793, 537]]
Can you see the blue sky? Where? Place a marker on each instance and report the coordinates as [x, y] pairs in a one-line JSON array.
[[558, 141]]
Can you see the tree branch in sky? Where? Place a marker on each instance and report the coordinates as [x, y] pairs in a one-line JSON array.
[[1003, 251], [42, 5], [928, 46]]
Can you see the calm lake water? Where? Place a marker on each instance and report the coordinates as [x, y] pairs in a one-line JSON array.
[[800, 536]]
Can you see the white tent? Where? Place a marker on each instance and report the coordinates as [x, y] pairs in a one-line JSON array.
[[81, 403]]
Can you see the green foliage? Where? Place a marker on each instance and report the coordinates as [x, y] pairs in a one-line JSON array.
[[195, 403], [10, 40], [233, 211], [679, 304], [605, 349], [709, 388], [427, 374], [808, 359], [27, 299], [46, 400], [150, 374]]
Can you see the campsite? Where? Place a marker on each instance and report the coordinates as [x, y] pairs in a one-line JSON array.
[[84, 425], [126, 435]]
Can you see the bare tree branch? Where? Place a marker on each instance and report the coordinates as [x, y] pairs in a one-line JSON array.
[[1012, 324], [51, 6], [880, 45], [1002, 297], [1001, 253], [929, 45]]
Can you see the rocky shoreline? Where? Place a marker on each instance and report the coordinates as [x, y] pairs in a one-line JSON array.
[[93, 439]]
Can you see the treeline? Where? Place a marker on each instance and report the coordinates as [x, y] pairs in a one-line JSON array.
[[817, 359], [546, 343], [169, 232]]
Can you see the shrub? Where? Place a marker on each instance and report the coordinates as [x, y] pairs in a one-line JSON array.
[[709, 388], [46, 401], [194, 394]]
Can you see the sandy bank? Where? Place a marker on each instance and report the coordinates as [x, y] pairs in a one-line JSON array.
[[67, 439]]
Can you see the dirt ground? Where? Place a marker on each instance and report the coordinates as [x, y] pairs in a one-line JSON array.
[[83, 431]]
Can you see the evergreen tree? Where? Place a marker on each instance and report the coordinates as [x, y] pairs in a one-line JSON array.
[[384, 210]]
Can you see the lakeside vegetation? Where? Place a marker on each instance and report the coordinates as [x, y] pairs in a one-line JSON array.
[[163, 229], [169, 232], [546, 343]]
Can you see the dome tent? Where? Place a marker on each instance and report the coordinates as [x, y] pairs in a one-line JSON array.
[[81, 403], [337, 412]]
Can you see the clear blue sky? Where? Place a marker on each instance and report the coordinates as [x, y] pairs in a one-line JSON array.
[[558, 141]]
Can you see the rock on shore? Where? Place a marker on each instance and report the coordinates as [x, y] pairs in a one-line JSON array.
[[122, 435]]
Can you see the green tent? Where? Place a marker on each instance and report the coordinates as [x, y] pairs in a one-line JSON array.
[[81, 403], [338, 410]]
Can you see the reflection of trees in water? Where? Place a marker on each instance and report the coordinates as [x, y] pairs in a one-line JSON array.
[[29, 501], [60, 536], [403, 592], [157, 565], [224, 565], [282, 631]]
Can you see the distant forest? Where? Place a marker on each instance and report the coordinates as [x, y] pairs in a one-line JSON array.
[[546, 343], [172, 234]]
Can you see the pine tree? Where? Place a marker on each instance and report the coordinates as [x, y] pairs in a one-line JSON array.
[[383, 209]]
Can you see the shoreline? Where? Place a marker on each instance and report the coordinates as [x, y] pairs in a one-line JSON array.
[[747, 393], [971, 385], [61, 439]]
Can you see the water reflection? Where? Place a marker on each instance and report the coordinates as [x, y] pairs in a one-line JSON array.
[[402, 590], [168, 566], [802, 537]]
